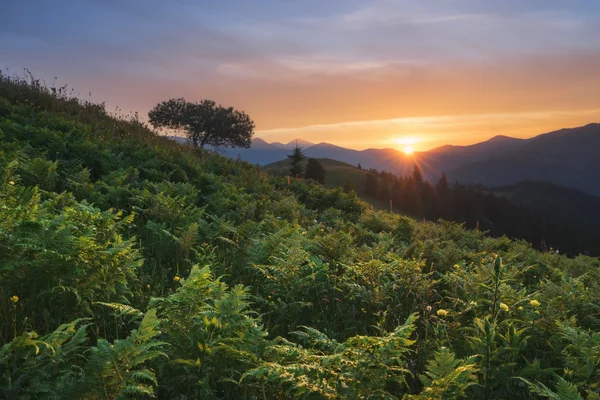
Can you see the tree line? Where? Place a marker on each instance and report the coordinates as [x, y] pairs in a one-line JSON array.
[[480, 208]]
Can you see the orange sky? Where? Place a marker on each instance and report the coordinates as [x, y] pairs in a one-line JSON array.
[[356, 73]]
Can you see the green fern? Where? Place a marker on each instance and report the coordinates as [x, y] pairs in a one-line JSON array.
[[118, 370], [447, 377], [564, 390]]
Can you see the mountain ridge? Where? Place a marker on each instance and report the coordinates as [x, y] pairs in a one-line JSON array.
[[566, 157]]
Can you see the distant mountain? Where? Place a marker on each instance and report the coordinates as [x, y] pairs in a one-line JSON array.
[[498, 143], [568, 157], [291, 144]]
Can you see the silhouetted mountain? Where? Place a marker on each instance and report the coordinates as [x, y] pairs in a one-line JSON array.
[[568, 157]]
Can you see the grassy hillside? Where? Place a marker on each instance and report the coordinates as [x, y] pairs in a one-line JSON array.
[[338, 174], [131, 267]]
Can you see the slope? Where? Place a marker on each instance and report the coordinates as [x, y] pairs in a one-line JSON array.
[[133, 267]]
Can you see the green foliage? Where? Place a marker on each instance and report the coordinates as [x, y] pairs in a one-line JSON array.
[[133, 267], [315, 171], [446, 377], [296, 159], [119, 370], [204, 122], [361, 367]]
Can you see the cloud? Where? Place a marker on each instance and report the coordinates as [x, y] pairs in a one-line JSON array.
[[310, 63], [429, 132]]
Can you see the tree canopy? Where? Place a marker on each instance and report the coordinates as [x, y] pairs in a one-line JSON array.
[[204, 122], [315, 171]]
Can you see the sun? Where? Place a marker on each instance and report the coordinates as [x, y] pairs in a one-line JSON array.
[[407, 143]]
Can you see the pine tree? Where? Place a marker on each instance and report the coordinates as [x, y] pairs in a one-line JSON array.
[[296, 159]]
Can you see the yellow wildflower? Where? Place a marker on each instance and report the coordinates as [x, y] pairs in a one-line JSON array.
[[456, 266], [504, 307], [11, 182], [535, 303], [473, 304], [15, 299], [520, 308], [442, 313], [176, 279], [148, 286]]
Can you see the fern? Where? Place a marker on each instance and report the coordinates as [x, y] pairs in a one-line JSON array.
[[447, 377], [564, 390], [118, 370]]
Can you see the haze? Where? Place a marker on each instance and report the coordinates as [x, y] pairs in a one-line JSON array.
[[354, 73]]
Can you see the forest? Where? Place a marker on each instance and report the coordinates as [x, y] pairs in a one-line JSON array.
[[133, 267], [543, 223]]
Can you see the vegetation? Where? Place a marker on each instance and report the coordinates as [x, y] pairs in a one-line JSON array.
[[546, 215], [204, 122], [132, 267], [315, 171], [296, 159]]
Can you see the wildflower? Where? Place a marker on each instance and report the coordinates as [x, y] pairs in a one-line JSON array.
[[428, 308], [535, 303], [11, 182], [456, 266], [442, 313], [520, 308], [504, 307], [363, 310], [148, 286], [15, 299], [269, 296], [473, 304], [176, 279]]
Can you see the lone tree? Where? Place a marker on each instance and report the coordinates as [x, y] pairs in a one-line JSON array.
[[296, 159], [204, 122], [315, 171]]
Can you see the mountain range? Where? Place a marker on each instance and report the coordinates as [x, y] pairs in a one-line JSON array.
[[567, 157]]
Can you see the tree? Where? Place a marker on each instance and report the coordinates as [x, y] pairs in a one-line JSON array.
[[296, 159], [417, 177], [204, 122], [371, 185], [314, 170], [359, 166]]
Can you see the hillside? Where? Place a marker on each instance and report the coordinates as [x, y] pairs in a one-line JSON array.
[[337, 175], [543, 214], [133, 267]]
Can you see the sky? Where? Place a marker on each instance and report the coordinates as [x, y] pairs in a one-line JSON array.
[[356, 73]]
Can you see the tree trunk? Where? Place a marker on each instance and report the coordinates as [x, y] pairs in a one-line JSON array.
[[203, 142]]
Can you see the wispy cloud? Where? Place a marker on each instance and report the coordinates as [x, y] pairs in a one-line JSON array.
[[315, 63], [428, 132]]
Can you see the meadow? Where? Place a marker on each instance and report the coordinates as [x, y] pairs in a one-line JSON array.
[[133, 267]]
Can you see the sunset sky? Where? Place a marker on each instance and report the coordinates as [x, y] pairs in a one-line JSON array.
[[356, 73]]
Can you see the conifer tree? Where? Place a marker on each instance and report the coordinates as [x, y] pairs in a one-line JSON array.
[[296, 158], [315, 171]]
